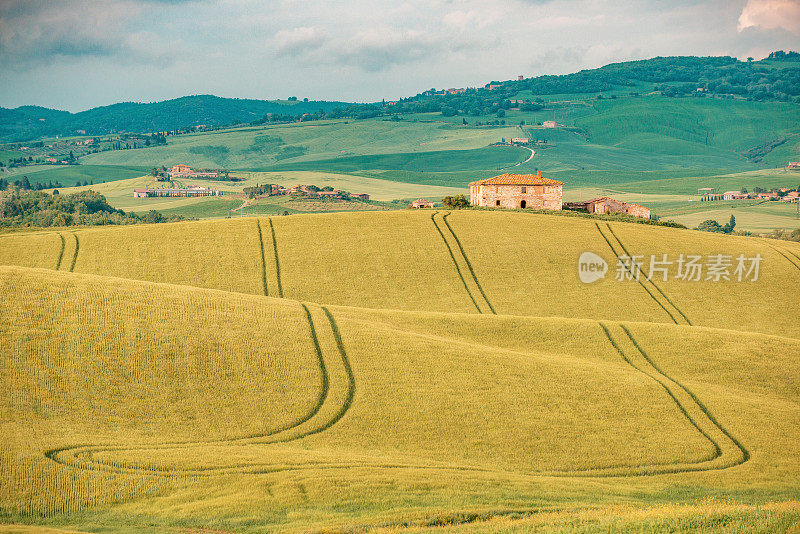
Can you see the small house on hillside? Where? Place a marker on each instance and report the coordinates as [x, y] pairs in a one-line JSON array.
[[603, 205], [517, 191], [180, 169], [421, 203]]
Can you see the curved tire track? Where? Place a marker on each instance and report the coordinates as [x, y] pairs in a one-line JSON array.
[[75, 256], [277, 262], [61, 252], [648, 279], [263, 258], [636, 278], [81, 456]]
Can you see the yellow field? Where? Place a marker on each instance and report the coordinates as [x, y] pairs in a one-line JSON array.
[[401, 371], [467, 261]]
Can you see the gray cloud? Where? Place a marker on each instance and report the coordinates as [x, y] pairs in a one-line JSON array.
[[349, 49], [36, 32]]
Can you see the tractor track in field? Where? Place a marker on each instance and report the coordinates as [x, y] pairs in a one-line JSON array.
[[263, 258], [61, 252], [637, 278], [456, 263], [75, 256], [783, 252], [648, 278], [469, 264], [277, 262], [83, 456], [727, 450]]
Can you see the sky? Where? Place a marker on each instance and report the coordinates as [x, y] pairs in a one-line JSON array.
[[78, 54]]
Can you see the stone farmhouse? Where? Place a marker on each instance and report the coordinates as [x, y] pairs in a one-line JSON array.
[[603, 205], [184, 171], [421, 203], [517, 191]]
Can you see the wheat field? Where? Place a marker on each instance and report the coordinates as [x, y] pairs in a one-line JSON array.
[[393, 371]]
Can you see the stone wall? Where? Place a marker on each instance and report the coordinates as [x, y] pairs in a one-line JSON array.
[[546, 197]]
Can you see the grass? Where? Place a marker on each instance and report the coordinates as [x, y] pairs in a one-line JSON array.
[[649, 145], [70, 175], [310, 417], [257, 148], [410, 370]]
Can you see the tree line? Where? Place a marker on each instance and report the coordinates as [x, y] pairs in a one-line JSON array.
[[20, 207]]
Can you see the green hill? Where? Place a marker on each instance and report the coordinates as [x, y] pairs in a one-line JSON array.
[[30, 122]]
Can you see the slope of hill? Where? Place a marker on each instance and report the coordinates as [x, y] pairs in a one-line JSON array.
[[465, 261], [29, 122], [122, 410]]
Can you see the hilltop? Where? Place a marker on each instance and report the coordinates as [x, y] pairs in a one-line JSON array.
[[775, 78], [31, 122]]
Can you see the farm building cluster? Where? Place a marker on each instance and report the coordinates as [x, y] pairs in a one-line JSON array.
[[185, 171], [190, 191], [604, 205], [783, 194], [534, 191]]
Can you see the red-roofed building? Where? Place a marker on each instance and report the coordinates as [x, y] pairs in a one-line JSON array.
[[421, 203], [517, 191], [603, 205]]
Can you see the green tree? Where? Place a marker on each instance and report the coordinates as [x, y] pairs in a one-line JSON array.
[[710, 225], [456, 202], [730, 225]]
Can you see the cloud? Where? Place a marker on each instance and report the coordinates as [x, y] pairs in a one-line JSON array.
[[298, 41], [37, 32], [771, 15], [381, 48], [350, 49]]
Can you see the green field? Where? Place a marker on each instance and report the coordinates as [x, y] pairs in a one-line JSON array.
[[406, 370], [70, 175], [645, 145]]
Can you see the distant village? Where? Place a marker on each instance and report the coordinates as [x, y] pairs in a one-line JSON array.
[[67, 151], [182, 171], [783, 194]]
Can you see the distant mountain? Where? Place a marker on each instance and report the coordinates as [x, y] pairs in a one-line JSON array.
[[776, 78], [28, 122]]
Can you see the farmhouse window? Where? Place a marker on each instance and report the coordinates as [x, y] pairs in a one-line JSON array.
[[524, 189], [496, 202]]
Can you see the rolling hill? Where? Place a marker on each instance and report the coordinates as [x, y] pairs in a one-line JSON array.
[[29, 122], [269, 412], [401, 369], [426, 261]]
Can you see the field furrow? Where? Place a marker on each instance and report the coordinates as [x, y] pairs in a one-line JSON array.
[[463, 256], [631, 270], [455, 263]]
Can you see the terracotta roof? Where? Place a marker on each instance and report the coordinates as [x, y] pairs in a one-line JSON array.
[[518, 179]]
